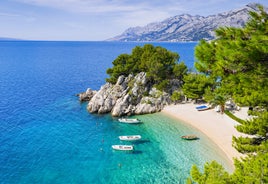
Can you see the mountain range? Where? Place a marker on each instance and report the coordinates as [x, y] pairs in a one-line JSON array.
[[187, 27]]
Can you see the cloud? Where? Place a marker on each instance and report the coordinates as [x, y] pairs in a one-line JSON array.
[[84, 6], [74, 25], [113, 7], [123, 13], [3, 14], [96, 19], [131, 7], [17, 16]]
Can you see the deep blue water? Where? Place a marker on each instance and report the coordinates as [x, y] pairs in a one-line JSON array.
[[47, 136]]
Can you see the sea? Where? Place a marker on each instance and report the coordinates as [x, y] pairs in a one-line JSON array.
[[47, 136]]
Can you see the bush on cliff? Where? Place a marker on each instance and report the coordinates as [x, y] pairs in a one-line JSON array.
[[159, 64]]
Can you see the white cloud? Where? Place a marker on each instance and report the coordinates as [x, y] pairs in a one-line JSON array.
[[85, 6], [4, 14], [17, 16], [131, 7], [124, 13], [101, 19], [75, 25]]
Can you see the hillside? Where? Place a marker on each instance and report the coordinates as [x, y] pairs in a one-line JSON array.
[[187, 27]]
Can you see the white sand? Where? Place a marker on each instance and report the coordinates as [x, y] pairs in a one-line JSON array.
[[218, 127]]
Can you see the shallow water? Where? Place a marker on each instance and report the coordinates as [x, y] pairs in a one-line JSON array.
[[47, 136]]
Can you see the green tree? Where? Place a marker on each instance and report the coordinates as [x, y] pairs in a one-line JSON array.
[[195, 85], [121, 67], [252, 169], [238, 59], [216, 97], [176, 96], [257, 126], [214, 173], [160, 65], [180, 70]]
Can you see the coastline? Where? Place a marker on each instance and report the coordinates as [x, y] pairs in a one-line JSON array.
[[218, 127]]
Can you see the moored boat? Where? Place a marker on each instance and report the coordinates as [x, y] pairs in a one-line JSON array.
[[189, 137], [129, 120], [202, 107], [123, 147], [130, 137]]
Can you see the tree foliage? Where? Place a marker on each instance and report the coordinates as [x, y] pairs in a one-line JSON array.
[[237, 61], [214, 173], [176, 96], [159, 64], [252, 169], [195, 85]]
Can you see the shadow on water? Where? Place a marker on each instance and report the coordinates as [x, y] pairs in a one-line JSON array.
[[138, 141], [130, 124], [141, 141], [136, 152]]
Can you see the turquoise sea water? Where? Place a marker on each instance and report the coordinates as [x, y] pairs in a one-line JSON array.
[[47, 136]]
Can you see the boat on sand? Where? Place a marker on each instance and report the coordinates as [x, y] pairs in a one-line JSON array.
[[123, 147], [129, 120], [202, 107], [130, 137]]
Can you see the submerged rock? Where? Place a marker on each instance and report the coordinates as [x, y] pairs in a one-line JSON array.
[[130, 95]]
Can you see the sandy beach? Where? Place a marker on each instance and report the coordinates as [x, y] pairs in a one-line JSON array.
[[218, 127]]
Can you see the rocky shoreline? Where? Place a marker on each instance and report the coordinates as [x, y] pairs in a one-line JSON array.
[[129, 96]]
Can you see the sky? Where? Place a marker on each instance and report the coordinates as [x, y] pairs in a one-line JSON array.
[[97, 20]]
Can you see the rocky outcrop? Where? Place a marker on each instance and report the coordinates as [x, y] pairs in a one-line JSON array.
[[130, 95], [86, 96], [187, 27]]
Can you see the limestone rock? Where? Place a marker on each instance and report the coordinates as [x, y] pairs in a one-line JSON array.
[[130, 95], [104, 100], [122, 106], [86, 96]]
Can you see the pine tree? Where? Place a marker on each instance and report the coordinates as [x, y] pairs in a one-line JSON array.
[[238, 62], [159, 64]]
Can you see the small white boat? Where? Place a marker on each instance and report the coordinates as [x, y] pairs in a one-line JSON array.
[[130, 137], [129, 120], [123, 147]]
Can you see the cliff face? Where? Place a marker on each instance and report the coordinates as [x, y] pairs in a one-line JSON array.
[[130, 95], [187, 27]]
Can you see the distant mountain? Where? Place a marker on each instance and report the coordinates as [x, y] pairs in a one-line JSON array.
[[186, 27]]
